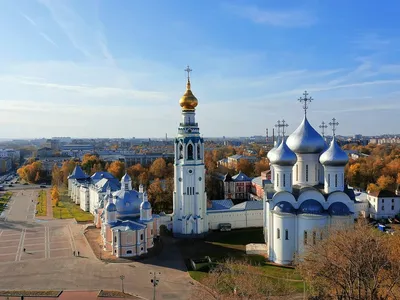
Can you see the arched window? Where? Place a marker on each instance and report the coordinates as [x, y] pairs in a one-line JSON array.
[[286, 234], [198, 151], [305, 237], [180, 151], [190, 151], [335, 180], [278, 233], [306, 173], [329, 180], [277, 179], [316, 172], [284, 180], [297, 172]]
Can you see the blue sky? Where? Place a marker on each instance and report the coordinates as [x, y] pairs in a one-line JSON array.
[[115, 68]]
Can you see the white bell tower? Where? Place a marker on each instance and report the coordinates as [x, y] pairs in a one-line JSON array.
[[190, 204]]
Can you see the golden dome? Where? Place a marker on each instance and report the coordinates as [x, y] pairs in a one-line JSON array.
[[188, 100]]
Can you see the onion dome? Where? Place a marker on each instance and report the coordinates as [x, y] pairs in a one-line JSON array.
[[311, 206], [111, 207], [305, 139], [339, 209], [188, 100], [270, 152], [145, 204], [127, 202], [284, 207], [334, 155], [283, 156]]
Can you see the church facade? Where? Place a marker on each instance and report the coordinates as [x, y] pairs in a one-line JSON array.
[[307, 193]]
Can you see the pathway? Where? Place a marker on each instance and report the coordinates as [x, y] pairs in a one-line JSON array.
[[49, 205]]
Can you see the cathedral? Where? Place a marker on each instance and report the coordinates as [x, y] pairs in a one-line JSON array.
[[307, 192]]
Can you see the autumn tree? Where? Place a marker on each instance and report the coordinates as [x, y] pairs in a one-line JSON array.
[[386, 182], [353, 263], [117, 169], [245, 166], [261, 166], [31, 172], [156, 193], [66, 169], [239, 279], [135, 172], [56, 175], [55, 196], [158, 168], [92, 163]]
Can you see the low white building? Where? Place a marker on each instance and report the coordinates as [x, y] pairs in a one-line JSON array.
[[378, 205]]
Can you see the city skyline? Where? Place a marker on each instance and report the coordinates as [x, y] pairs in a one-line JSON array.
[[100, 68]]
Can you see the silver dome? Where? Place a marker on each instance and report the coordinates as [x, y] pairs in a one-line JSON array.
[[311, 206], [305, 139], [270, 152], [334, 155], [339, 209], [283, 156], [284, 207]]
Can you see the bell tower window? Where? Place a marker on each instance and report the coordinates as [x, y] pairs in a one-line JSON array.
[[198, 151], [180, 151], [190, 152]]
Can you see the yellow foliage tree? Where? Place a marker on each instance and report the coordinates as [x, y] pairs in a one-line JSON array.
[[55, 196], [117, 169]]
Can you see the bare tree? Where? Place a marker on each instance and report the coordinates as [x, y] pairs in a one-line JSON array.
[[353, 263], [238, 279]]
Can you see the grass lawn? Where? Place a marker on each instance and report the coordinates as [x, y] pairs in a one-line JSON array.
[[222, 245], [66, 209], [4, 198], [41, 206]]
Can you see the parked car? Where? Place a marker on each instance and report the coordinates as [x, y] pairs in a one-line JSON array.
[[10, 185], [43, 186]]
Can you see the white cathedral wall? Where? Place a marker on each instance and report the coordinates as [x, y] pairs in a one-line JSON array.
[[237, 219], [305, 171], [309, 223], [282, 249], [334, 179], [283, 178]]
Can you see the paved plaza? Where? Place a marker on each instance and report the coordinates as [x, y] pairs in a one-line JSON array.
[[48, 261]]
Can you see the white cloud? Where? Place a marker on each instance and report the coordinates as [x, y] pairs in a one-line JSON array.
[[288, 18], [44, 35]]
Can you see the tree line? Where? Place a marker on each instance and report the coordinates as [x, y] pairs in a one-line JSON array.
[[377, 168]]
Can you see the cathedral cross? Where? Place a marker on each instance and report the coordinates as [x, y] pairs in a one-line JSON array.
[[188, 70], [333, 124], [283, 126], [323, 126], [305, 99], [278, 126]]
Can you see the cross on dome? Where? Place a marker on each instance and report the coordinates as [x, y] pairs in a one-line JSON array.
[[283, 125], [278, 126], [305, 99], [323, 126], [188, 70], [334, 124]]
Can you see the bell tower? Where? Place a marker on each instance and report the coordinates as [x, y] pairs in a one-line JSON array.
[[190, 205]]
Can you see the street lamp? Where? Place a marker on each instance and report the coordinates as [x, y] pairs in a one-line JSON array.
[[154, 281], [122, 277]]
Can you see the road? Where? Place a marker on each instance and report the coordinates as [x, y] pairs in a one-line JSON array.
[[48, 261]]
